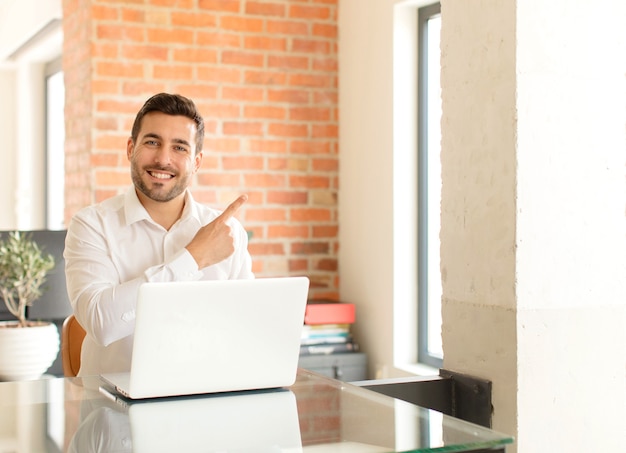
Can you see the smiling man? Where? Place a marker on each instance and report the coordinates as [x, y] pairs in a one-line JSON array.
[[155, 231]]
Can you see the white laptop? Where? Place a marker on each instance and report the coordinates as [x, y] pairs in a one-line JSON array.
[[214, 336]]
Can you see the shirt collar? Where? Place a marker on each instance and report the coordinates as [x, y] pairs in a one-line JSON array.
[[134, 211]]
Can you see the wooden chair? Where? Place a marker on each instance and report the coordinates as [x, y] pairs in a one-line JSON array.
[[72, 335]]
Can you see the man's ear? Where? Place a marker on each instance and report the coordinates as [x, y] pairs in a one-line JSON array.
[[129, 148], [197, 161]]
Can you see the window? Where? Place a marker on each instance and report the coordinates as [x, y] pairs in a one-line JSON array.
[[430, 349], [55, 139]]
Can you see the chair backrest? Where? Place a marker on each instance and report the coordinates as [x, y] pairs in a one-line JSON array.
[[72, 335]]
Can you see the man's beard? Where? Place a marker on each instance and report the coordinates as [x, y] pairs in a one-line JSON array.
[[157, 193]]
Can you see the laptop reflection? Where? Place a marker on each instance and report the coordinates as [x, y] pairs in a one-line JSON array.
[[264, 421]]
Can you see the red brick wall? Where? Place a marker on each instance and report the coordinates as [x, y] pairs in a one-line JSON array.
[[264, 75]]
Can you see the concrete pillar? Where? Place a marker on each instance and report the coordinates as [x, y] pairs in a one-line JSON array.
[[533, 215]]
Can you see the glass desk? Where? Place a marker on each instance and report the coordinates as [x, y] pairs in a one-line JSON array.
[[315, 415]]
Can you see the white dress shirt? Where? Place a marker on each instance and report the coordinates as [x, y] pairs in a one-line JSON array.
[[111, 249]]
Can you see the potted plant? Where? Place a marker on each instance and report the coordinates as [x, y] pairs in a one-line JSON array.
[[27, 348]]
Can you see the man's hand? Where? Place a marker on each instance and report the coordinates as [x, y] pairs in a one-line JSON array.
[[214, 242]]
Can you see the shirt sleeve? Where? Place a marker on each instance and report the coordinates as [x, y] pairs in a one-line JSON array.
[[103, 305]]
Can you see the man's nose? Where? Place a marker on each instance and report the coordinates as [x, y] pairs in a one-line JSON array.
[[162, 155]]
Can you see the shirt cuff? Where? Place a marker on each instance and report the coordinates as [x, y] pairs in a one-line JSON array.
[[184, 267]]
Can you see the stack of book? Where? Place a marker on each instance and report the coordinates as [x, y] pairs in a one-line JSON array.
[[327, 328]]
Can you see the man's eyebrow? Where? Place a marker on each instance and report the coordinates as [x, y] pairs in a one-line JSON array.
[[151, 135], [180, 141]]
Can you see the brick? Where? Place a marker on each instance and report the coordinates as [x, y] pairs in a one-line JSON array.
[[288, 130], [217, 179], [267, 146], [288, 62], [243, 163], [219, 74], [223, 144], [311, 80], [329, 64], [242, 58], [112, 178], [329, 165], [134, 15], [309, 114], [194, 20], [106, 123], [247, 94], [289, 96], [242, 128], [265, 9], [122, 33], [124, 70], [169, 36], [290, 164], [254, 77], [264, 112], [218, 39], [181, 72], [241, 24], [309, 12], [265, 180], [310, 147], [325, 231], [309, 248], [326, 264], [220, 5], [298, 265], [309, 181], [266, 215], [324, 197], [328, 130], [142, 89], [266, 248], [287, 27], [310, 214], [310, 46], [287, 197], [260, 42], [325, 30], [182, 4], [195, 55], [104, 159], [220, 110], [197, 90], [147, 52], [105, 87], [287, 231], [111, 142], [104, 13]]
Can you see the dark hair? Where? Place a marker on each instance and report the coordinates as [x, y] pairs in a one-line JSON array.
[[171, 104]]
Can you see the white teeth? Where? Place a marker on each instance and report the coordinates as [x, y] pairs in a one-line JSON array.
[[160, 175]]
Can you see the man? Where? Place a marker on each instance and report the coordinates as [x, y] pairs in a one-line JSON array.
[[153, 232]]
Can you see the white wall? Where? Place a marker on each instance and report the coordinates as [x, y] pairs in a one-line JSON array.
[[29, 37], [377, 201], [8, 218], [541, 323]]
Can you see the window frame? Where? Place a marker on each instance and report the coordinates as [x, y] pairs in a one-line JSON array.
[[424, 355]]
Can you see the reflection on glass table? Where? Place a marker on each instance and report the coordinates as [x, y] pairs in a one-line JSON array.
[[316, 414]]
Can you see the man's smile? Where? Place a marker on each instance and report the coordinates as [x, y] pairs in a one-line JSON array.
[[159, 174]]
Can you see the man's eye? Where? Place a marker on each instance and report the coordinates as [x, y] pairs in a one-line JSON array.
[[152, 142], [181, 149]]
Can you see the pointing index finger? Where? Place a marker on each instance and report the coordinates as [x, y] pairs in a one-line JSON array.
[[232, 209]]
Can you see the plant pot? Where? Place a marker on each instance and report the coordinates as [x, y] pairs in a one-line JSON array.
[[27, 352]]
